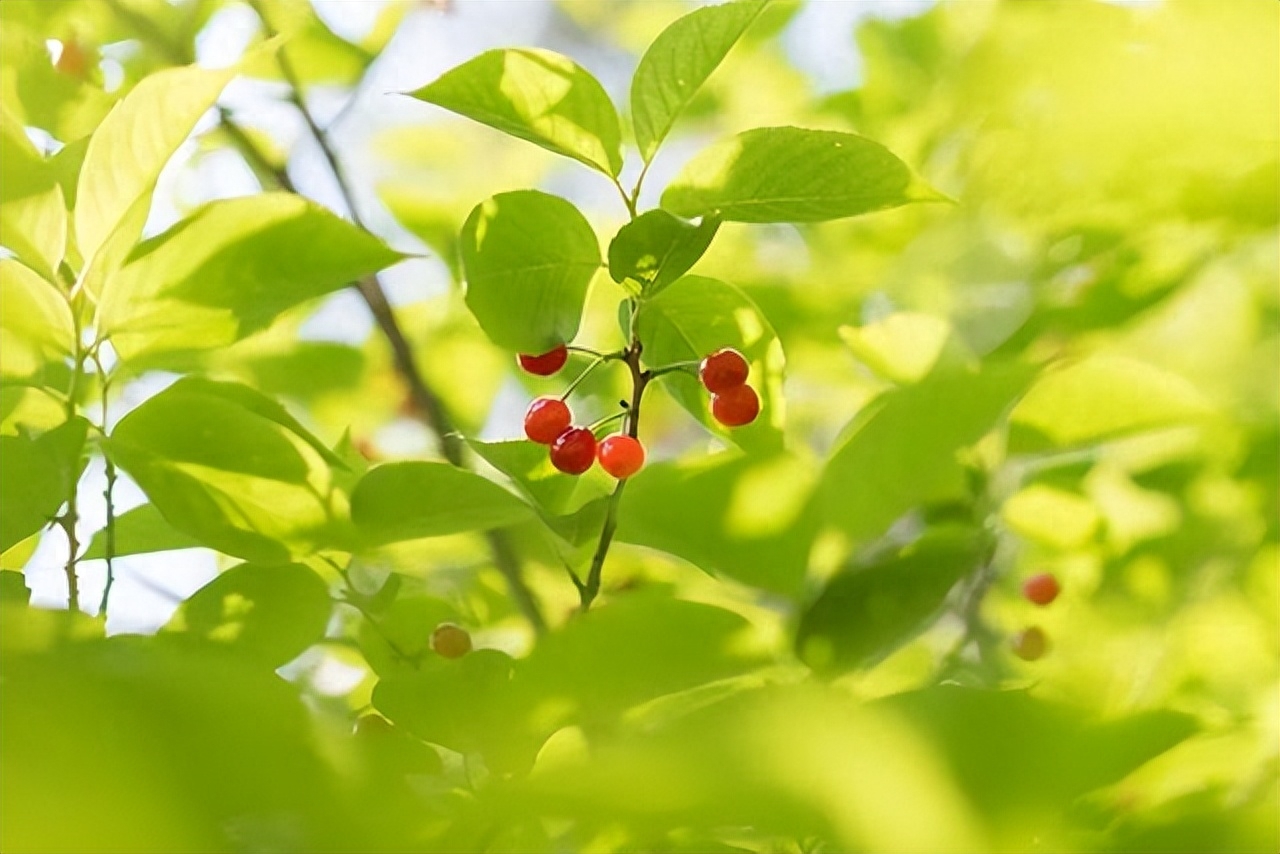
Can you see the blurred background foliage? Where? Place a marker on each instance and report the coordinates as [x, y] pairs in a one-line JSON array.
[[1073, 369]]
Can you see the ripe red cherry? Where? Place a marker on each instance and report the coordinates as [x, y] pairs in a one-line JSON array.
[[574, 450], [450, 641], [1031, 643], [545, 419], [546, 364], [1041, 589], [723, 370], [620, 455], [736, 407]]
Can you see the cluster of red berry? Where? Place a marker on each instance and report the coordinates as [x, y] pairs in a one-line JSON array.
[[1032, 643], [573, 449]]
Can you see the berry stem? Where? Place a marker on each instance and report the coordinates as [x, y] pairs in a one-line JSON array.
[[639, 379], [586, 372]]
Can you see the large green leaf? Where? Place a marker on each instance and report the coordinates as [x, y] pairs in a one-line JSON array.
[[536, 95], [268, 614], [697, 316], [36, 477], [529, 258], [788, 174], [866, 612], [234, 479], [655, 249], [33, 214], [678, 62], [1100, 398], [900, 451], [141, 530], [748, 518], [132, 145], [228, 270], [406, 501], [36, 321]]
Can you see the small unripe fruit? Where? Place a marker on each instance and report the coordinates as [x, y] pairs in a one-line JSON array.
[[736, 407], [546, 364], [620, 455], [723, 370], [1041, 589], [74, 60], [450, 641], [545, 419], [1031, 643], [574, 450]]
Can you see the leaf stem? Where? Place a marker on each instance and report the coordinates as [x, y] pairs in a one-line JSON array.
[[626, 199], [108, 492]]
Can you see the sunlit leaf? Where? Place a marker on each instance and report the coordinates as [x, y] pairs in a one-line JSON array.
[[656, 248], [788, 174], [141, 530], [678, 62], [529, 258], [406, 501], [268, 614], [536, 95], [33, 214], [529, 465], [37, 477], [37, 324], [229, 270]]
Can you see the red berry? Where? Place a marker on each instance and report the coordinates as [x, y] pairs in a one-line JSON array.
[[450, 641], [546, 418], [1041, 589], [620, 455], [723, 370], [546, 364], [574, 450], [736, 407], [1031, 643]]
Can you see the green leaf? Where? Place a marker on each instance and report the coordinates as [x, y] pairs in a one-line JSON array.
[[229, 270], [268, 614], [747, 518], [697, 316], [900, 450], [37, 476], [141, 530], [1055, 517], [866, 612], [529, 258], [132, 145], [678, 62], [905, 346], [788, 174], [656, 248], [33, 214], [237, 481], [536, 95], [401, 641], [529, 465], [1100, 398], [37, 324], [407, 501]]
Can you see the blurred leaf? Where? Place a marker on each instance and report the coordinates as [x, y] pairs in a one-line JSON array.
[[315, 54], [401, 638], [678, 62], [13, 587], [748, 518], [38, 476], [900, 450], [141, 530], [37, 324], [410, 500], [16, 557], [529, 465], [656, 248], [132, 145], [905, 346], [35, 92], [268, 614], [236, 479], [1052, 516], [788, 174], [536, 95], [866, 612], [229, 270], [697, 316], [33, 215], [1100, 398], [529, 258]]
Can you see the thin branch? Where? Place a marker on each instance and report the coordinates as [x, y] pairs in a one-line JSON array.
[[108, 493]]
